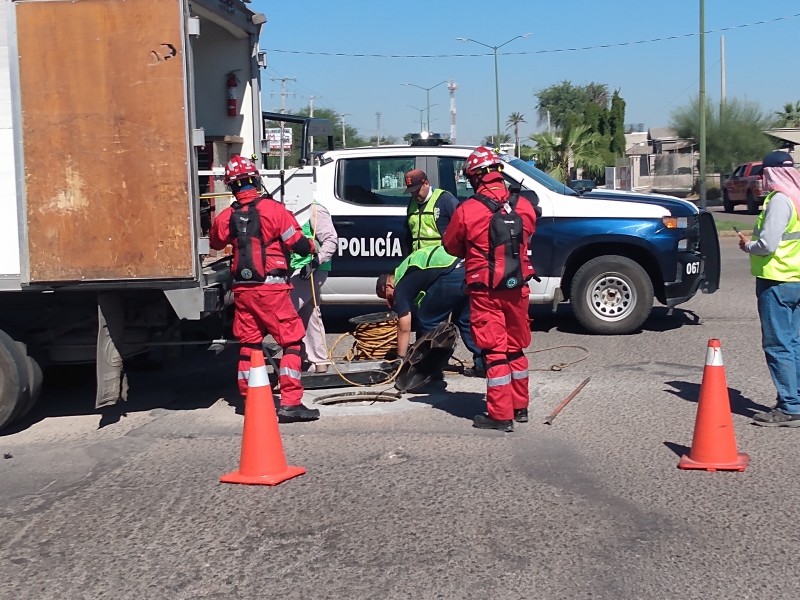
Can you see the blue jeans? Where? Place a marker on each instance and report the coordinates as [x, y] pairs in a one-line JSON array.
[[447, 295], [779, 311]]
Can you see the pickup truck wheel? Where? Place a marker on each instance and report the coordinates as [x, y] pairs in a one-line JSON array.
[[752, 204], [13, 379], [727, 205], [611, 295]]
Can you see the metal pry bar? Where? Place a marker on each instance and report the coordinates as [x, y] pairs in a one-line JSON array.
[[565, 401]]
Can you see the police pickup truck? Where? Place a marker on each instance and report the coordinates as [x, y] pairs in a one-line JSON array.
[[608, 253]]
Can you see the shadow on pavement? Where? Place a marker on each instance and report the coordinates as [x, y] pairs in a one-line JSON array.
[[464, 405], [678, 449], [740, 405], [195, 381], [661, 319]]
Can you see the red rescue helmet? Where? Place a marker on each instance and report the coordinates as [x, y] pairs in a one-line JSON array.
[[238, 168], [481, 160]]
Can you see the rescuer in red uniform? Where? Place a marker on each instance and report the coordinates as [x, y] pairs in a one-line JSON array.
[[491, 230], [263, 234]]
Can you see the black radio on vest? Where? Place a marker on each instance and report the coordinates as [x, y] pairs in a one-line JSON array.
[[505, 240], [249, 264]]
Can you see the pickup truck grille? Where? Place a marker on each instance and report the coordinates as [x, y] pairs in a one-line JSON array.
[[693, 231]]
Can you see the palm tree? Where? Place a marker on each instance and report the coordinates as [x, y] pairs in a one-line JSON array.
[[494, 142], [514, 120], [579, 145], [790, 115]]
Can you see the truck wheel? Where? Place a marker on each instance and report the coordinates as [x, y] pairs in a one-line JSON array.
[[727, 205], [611, 295], [13, 378], [753, 204], [35, 384]]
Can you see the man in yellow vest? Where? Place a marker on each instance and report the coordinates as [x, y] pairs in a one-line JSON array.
[[431, 281], [775, 261], [429, 212]]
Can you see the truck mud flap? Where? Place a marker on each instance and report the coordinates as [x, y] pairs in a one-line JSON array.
[[709, 250], [112, 381]]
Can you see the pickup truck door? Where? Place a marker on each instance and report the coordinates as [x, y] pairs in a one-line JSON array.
[[369, 214], [737, 183]]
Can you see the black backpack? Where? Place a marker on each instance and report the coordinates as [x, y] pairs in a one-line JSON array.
[[505, 242], [245, 227]]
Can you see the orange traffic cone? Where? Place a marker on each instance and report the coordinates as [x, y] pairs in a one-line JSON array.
[[262, 461], [714, 442]]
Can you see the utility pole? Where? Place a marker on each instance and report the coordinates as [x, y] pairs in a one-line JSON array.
[[344, 135], [452, 87], [722, 74], [378, 134], [283, 81], [311, 137], [702, 105]]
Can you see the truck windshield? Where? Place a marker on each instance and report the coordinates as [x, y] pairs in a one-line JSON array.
[[540, 176]]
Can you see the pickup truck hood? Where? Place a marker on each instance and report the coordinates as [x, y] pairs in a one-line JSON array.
[[676, 206]]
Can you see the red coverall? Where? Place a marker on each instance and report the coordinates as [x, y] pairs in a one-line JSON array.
[[262, 308], [498, 318]]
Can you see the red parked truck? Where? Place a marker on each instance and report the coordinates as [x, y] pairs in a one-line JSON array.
[[744, 186]]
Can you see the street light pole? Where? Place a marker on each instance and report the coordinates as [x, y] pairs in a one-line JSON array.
[[344, 137], [427, 97], [494, 50]]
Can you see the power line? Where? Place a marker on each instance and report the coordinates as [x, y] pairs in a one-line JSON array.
[[553, 51]]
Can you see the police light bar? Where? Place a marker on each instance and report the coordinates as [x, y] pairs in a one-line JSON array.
[[426, 138]]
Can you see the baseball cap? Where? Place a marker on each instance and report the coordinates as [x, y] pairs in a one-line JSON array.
[[414, 180], [778, 159]]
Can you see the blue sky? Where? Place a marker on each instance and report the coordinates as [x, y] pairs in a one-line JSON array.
[[652, 57]]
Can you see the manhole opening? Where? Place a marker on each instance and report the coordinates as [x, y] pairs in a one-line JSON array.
[[357, 398]]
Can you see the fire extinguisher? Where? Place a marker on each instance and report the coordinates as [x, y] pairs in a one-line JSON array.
[[231, 83]]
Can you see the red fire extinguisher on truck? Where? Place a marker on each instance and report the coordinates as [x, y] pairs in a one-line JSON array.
[[231, 83]]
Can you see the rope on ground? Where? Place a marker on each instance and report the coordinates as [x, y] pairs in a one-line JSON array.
[[372, 340], [561, 365]]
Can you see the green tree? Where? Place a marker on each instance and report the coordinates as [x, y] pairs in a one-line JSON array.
[[616, 125], [567, 104], [557, 102], [490, 140], [515, 119], [354, 139], [732, 137], [579, 146], [789, 116]]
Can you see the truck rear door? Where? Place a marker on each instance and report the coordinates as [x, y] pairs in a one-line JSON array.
[[106, 145]]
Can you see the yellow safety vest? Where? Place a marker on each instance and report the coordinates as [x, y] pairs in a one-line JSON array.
[[422, 222], [784, 263]]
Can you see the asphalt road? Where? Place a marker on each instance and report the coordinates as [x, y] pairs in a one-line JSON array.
[[407, 500]]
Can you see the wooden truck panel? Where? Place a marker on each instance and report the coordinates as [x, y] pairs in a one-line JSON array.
[[106, 141]]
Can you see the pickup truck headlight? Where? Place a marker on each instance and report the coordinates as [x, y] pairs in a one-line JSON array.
[[675, 222]]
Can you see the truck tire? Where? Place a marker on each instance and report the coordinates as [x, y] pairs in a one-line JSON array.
[[35, 384], [753, 205], [727, 205], [13, 378], [611, 295]]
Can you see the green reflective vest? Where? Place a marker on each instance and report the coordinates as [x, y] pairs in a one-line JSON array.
[[422, 222], [297, 261], [784, 264], [429, 257]]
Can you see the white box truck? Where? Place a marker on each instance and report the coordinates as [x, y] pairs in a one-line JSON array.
[[110, 111]]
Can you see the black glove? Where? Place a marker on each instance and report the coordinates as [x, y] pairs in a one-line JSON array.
[[307, 270]]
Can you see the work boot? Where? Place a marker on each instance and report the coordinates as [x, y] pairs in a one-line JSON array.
[[474, 372], [484, 422], [297, 412], [776, 418], [521, 415]]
